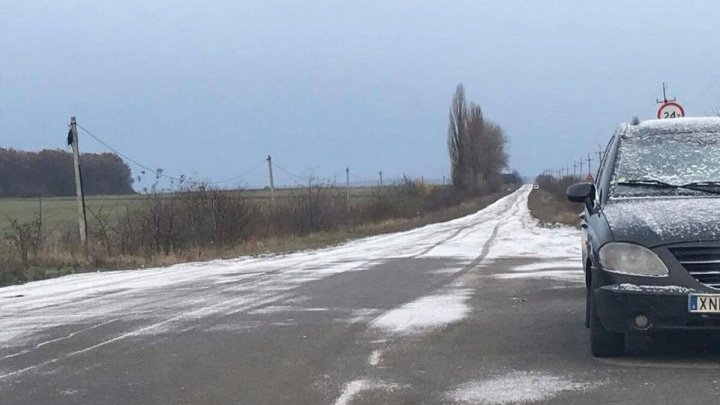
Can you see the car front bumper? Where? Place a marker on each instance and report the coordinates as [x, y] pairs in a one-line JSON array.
[[666, 309]]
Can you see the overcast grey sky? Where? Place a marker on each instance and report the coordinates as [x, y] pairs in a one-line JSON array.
[[208, 88]]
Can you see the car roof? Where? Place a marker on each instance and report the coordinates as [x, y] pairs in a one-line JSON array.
[[674, 126]]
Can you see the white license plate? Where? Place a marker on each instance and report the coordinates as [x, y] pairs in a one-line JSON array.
[[704, 303]]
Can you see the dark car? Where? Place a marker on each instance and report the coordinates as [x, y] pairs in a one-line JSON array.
[[651, 232]]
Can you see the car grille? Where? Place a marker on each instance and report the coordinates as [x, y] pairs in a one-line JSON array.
[[703, 263]]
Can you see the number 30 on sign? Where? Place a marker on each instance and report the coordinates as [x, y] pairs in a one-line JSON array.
[[670, 109]]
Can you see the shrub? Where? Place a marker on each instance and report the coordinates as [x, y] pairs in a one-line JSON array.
[[196, 221]]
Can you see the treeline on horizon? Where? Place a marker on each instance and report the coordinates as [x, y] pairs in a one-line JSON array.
[[50, 173]]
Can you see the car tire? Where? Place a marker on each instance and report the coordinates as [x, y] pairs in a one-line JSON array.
[[588, 291], [587, 308], [603, 343]]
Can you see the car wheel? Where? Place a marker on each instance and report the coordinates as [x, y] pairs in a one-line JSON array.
[[602, 342]]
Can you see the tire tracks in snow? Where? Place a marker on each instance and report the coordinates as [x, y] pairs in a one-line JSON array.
[[276, 293], [374, 359], [453, 235]]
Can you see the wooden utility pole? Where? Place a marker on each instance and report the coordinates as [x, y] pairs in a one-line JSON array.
[[272, 182], [347, 184], [380, 173], [589, 163], [581, 167], [82, 216]]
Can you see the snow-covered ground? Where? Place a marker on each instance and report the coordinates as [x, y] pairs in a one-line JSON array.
[[164, 297], [428, 312], [516, 387], [144, 303]]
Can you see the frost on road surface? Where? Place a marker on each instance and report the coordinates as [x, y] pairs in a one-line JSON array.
[[554, 253], [518, 387], [48, 323], [426, 313], [165, 298]]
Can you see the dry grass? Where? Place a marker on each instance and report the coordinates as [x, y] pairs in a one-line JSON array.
[[59, 255], [552, 209]]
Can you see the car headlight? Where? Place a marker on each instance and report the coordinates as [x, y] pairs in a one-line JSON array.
[[627, 258]]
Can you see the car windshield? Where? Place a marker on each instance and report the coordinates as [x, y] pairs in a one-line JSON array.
[[660, 164]]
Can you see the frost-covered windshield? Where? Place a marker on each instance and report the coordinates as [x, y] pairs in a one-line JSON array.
[[656, 161]]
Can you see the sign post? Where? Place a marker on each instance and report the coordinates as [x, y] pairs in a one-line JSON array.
[[669, 108]]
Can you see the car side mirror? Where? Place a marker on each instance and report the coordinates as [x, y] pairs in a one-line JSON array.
[[581, 193]]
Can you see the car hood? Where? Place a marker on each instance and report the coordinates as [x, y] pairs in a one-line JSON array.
[[658, 221]]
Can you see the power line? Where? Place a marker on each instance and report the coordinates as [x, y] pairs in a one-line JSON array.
[[288, 172], [240, 176], [161, 174], [158, 171], [366, 179], [309, 178], [126, 157]]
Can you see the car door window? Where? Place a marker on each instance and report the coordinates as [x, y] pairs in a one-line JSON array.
[[602, 170]]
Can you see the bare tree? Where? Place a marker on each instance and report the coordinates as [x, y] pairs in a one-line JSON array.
[[476, 146], [489, 158], [457, 139], [476, 129]]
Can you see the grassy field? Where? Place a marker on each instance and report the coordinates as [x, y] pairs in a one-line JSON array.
[[58, 212], [207, 224]]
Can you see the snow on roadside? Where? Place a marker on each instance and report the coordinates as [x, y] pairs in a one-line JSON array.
[[517, 387], [556, 252], [164, 298], [467, 243], [522, 236]]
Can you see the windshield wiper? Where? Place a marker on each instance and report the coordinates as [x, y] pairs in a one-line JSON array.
[[703, 184], [714, 186], [648, 182], [695, 186]]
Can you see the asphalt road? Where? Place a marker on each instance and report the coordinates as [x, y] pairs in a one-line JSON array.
[[485, 309]]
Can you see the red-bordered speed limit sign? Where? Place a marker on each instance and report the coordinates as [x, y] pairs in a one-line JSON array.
[[670, 109]]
